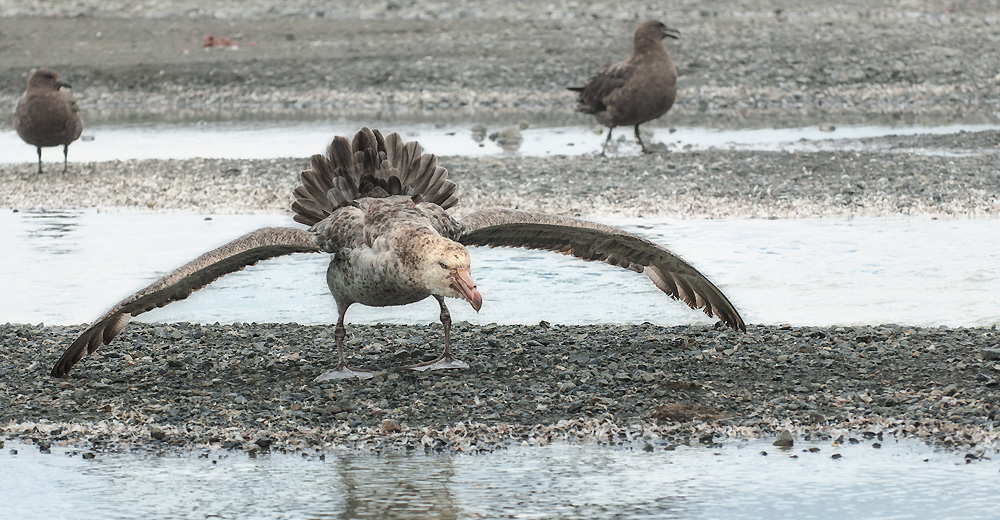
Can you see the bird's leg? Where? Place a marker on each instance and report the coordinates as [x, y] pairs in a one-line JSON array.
[[65, 156], [342, 371], [445, 361], [638, 138], [39, 148], [604, 148]]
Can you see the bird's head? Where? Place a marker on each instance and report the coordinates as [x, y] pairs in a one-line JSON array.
[[46, 79], [656, 31], [445, 271]]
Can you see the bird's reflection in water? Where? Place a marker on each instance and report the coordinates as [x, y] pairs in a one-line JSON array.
[[396, 486]]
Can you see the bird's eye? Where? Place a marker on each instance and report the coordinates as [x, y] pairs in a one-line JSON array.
[[443, 265]]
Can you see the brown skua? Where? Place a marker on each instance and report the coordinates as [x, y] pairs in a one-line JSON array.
[[636, 90], [46, 115]]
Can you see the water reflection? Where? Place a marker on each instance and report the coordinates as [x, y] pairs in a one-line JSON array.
[[897, 479], [397, 486], [51, 232], [262, 139]]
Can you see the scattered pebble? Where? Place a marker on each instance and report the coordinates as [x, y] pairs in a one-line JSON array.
[[266, 400]]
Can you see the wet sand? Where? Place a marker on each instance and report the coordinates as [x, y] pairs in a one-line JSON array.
[[740, 63]]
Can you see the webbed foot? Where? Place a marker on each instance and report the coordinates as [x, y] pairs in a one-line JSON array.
[[441, 363], [344, 373]]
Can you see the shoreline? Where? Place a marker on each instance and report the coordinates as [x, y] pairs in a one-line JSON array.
[[943, 176]]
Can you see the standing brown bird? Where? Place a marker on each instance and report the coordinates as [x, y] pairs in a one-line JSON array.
[[379, 206], [48, 116], [639, 89]]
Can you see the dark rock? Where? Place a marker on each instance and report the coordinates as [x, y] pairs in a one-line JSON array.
[[990, 354]]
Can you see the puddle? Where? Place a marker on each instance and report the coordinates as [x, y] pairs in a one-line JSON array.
[[901, 479], [69, 267], [263, 139]]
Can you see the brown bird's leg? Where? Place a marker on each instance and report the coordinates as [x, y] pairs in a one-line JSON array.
[[444, 362], [39, 148], [641, 144], [65, 156], [604, 148], [342, 371]]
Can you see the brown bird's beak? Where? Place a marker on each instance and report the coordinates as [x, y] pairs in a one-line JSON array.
[[462, 281], [62, 83], [670, 32]]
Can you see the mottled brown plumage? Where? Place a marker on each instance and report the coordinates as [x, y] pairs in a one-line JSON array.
[[636, 90], [48, 116], [379, 206]]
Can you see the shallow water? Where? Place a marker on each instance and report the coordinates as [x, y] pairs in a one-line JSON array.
[[263, 139], [900, 480], [69, 267]]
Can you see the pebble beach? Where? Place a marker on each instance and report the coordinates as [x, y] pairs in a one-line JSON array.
[[249, 386], [189, 387]]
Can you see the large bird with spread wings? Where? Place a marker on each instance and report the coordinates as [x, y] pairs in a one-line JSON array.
[[379, 206]]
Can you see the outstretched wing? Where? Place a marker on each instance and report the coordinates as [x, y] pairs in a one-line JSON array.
[[593, 241], [233, 256]]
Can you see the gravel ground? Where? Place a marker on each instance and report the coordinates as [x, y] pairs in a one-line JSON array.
[[183, 386], [249, 386]]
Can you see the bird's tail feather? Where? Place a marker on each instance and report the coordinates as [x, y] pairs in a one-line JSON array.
[[370, 166]]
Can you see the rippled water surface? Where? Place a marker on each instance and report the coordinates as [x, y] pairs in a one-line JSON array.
[[68, 267], [270, 139], [899, 480]]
